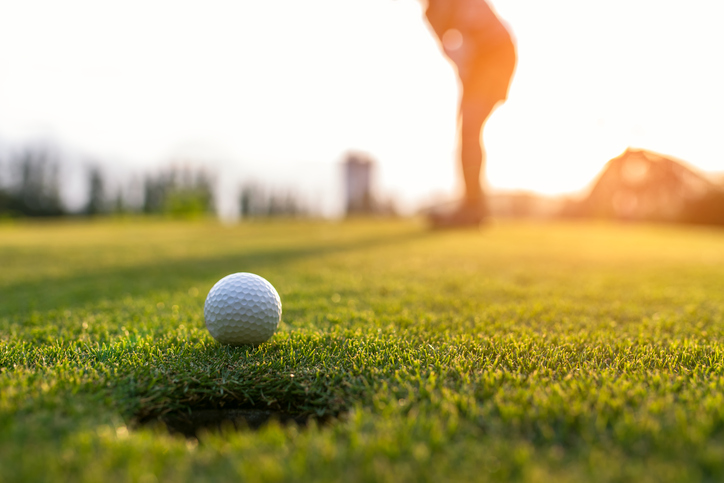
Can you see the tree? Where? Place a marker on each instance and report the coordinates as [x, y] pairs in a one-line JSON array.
[[34, 187], [96, 192], [179, 192]]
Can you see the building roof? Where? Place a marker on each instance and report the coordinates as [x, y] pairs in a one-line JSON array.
[[641, 184]]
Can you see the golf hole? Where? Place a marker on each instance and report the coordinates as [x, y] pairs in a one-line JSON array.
[[193, 422]]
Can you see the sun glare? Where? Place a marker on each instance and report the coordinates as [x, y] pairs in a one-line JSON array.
[[266, 89]]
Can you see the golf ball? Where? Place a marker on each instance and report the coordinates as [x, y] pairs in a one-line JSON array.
[[242, 308]]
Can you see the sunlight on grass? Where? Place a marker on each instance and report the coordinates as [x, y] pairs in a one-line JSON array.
[[524, 351]]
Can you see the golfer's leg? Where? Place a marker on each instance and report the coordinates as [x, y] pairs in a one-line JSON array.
[[473, 113]]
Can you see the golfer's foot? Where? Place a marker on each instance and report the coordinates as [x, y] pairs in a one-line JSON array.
[[461, 215]]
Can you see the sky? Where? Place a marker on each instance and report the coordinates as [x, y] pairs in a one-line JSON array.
[[279, 90]]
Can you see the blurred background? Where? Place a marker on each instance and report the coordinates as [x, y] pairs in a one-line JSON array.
[[330, 107]]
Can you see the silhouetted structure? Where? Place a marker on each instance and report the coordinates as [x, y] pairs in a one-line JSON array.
[[640, 185], [707, 210], [358, 184]]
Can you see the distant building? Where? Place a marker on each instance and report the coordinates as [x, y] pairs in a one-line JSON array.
[[642, 185], [358, 184]]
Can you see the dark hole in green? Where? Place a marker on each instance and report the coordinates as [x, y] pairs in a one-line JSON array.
[[191, 423]]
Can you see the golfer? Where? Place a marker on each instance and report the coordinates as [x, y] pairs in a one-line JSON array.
[[482, 49]]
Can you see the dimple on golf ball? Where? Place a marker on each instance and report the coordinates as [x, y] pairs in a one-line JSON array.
[[242, 308]]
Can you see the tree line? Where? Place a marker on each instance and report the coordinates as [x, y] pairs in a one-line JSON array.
[[31, 182]]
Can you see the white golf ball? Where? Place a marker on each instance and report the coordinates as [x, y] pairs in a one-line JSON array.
[[242, 308]]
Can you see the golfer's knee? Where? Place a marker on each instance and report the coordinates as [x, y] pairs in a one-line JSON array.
[[472, 121]]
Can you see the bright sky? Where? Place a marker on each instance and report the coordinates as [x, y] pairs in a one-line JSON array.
[[279, 90]]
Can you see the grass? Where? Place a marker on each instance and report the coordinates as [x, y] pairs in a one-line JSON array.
[[526, 352]]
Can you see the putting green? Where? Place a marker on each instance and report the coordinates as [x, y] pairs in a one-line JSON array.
[[533, 352]]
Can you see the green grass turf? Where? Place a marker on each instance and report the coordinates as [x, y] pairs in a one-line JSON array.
[[533, 352]]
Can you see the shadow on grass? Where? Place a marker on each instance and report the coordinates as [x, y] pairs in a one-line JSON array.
[[170, 275]]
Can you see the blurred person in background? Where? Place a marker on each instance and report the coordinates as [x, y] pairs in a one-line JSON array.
[[482, 49]]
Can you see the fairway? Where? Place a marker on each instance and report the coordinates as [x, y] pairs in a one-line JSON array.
[[523, 352]]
